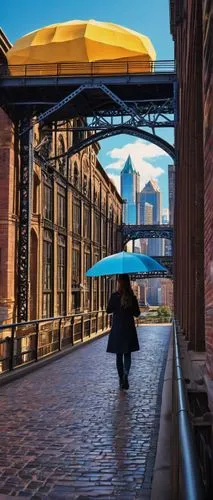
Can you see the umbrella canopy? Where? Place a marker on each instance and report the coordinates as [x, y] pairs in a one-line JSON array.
[[81, 41], [125, 263]]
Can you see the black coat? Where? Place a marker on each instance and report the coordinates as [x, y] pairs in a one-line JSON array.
[[123, 336]]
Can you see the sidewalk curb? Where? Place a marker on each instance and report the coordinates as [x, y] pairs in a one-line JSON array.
[[161, 483]]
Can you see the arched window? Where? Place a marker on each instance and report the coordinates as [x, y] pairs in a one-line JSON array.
[[76, 178], [78, 134], [61, 151], [36, 183], [47, 274], [61, 275]]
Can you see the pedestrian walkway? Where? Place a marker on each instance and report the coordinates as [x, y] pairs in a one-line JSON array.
[[67, 432]]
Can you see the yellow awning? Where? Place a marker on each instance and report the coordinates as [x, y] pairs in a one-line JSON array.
[[81, 42]]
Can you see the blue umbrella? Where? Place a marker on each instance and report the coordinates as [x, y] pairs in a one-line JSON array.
[[125, 263]]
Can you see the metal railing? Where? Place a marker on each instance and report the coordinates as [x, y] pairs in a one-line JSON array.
[[186, 475], [87, 68], [30, 341]]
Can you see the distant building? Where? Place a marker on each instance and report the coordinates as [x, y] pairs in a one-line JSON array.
[[166, 244], [146, 215], [130, 188], [171, 185], [151, 213], [165, 216], [166, 293], [151, 194]]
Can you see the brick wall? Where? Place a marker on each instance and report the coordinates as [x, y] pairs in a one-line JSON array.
[[208, 175], [7, 218], [189, 251]]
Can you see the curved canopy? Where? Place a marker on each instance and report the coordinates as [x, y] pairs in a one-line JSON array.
[[81, 41], [125, 262]]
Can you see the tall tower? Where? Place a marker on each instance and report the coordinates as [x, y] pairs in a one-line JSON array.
[[151, 194], [130, 188]]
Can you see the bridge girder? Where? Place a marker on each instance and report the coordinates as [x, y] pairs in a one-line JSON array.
[[152, 101], [135, 232]]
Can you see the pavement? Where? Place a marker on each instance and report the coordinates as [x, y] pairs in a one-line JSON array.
[[68, 432]]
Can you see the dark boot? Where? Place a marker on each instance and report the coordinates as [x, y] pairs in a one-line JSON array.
[[125, 382], [121, 382]]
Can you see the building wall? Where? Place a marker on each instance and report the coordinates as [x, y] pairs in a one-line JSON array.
[[76, 214], [208, 176], [8, 218]]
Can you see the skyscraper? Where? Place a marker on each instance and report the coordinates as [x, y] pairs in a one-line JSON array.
[[171, 183], [151, 195], [146, 214], [130, 188]]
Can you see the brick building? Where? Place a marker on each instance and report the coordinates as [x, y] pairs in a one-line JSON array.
[[75, 218], [192, 29]]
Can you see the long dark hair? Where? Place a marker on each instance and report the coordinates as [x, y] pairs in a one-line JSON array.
[[125, 290]]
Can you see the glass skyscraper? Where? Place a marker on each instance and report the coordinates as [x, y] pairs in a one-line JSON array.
[[130, 188], [151, 195]]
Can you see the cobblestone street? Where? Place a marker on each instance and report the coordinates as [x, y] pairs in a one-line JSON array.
[[68, 432]]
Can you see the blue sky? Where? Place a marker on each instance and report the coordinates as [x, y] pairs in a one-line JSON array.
[[150, 17]]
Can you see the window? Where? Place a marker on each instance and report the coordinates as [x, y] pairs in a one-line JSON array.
[[76, 177], [104, 231], [61, 206], [76, 300], [95, 294], [96, 288], [35, 192], [61, 151], [87, 282], [76, 216], [103, 293], [61, 275], [48, 201], [76, 277], [76, 265], [97, 223], [87, 215], [47, 274]]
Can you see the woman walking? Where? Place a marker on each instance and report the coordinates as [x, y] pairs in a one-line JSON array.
[[123, 336]]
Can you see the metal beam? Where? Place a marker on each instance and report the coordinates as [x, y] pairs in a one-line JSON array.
[[26, 158], [128, 130], [135, 232], [54, 81]]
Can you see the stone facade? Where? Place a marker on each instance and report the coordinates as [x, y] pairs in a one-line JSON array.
[[75, 216]]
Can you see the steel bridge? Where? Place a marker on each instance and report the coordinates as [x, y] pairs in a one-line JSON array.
[[112, 99], [135, 232]]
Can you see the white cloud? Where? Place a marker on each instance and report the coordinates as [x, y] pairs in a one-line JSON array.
[[138, 150]]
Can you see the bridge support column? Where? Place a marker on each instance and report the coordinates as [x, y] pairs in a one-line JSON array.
[[26, 167]]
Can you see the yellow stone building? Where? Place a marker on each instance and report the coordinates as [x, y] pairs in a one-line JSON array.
[[76, 215]]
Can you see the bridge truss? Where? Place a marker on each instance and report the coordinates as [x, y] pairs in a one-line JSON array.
[[112, 104]]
